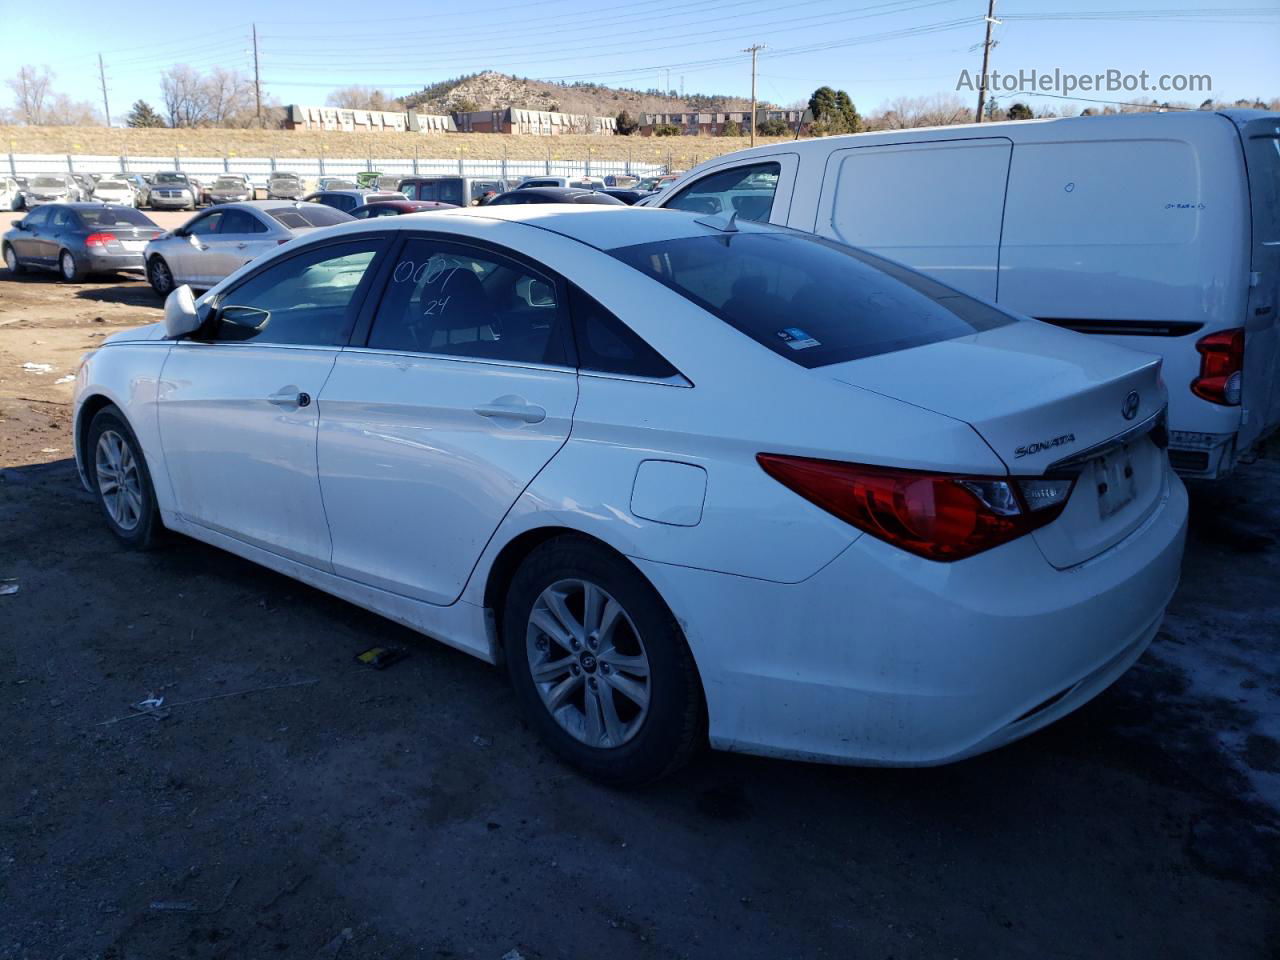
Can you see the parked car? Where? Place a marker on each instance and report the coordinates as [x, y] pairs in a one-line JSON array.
[[335, 183], [621, 180], [522, 432], [224, 238], [230, 188], [10, 194], [86, 184], [141, 187], [554, 195], [348, 200], [542, 182], [78, 239], [1155, 231], [173, 190], [395, 208], [52, 188], [586, 183], [116, 190], [284, 186], [629, 197], [459, 191]]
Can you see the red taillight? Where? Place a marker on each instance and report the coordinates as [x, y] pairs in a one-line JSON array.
[[941, 517], [1221, 367], [98, 239]]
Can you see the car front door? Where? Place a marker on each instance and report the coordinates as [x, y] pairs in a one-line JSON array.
[[26, 242], [237, 403], [239, 238], [429, 432], [193, 257]]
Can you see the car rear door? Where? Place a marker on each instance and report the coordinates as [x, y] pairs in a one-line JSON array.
[[237, 407], [432, 427], [240, 238], [1261, 386]]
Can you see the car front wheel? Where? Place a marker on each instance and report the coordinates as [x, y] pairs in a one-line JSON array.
[[121, 480], [599, 665], [160, 276], [11, 261]]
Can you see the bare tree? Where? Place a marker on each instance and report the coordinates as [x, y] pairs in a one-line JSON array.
[[228, 98], [363, 98], [62, 111], [938, 110], [185, 96], [30, 86]]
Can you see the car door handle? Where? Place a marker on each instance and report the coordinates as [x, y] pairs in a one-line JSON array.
[[241, 246], [512, 409], [290, 397]]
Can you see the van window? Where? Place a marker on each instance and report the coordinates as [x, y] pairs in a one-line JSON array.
[[747, 191], [810, 300], [934, 206]]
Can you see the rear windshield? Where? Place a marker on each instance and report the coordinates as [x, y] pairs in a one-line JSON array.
[[171, 178], [48, 182], [312, 215], [810, 300], [113, 216], [228, 182]]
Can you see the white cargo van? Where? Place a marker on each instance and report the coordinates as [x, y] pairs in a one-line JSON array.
[[1158, 231]]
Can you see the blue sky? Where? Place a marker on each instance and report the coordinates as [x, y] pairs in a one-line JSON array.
[[875, 49]]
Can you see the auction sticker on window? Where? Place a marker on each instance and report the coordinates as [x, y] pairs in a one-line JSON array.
[[797, 339]]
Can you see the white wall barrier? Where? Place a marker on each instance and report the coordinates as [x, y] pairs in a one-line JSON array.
[[24, 164]]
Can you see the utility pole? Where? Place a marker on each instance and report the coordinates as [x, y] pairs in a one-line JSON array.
[[102, 75], [754, 49], [986, 59], [257, 83]]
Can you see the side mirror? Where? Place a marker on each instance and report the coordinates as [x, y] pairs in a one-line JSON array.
[[20, 224], [180, 315], [241, 323]]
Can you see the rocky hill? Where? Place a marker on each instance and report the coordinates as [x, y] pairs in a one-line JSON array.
[[487, 90]]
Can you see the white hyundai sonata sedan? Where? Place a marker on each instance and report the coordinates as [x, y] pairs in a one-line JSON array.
[[688, 479]]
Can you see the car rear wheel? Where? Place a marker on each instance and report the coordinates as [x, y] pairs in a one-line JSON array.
[[599, 665], [121, 480], [160, 276], [68, 268], [11, 261]]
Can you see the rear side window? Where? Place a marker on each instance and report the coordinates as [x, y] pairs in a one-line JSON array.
[[238, 221], [811, 300], [607, 345], [747, 191], [455, 300]]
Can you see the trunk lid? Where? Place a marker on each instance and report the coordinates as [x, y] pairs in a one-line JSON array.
[[1045, 400]]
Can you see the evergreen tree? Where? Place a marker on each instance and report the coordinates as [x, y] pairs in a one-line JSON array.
[[142, 115]]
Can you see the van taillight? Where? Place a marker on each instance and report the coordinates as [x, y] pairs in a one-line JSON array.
[[1221, 367], [938, 516]]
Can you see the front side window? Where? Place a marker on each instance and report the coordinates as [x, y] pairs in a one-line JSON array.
[[307, 299], [811, 300], [209, 223], [747, 191], [449, 299], [38, 217]]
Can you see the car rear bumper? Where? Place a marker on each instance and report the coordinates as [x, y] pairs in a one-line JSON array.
[[112, 262], [884, 658]]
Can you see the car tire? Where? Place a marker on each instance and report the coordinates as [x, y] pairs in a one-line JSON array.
[[160, 276], [11, 261], [69, 269], [618, 695], [121, 482]]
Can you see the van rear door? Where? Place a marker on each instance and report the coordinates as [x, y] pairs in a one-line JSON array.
[[937, 206], [1261, 387]]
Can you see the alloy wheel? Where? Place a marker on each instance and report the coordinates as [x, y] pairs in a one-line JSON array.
[[10, 259], [588, 663], [119, 480], [68, 265], [161, 278]]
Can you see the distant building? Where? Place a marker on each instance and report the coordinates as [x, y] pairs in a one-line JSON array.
[[713, 124], [544, 123], [514, 120]]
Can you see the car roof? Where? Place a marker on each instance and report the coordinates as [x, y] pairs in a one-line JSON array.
[[259, 204], [553, 191]]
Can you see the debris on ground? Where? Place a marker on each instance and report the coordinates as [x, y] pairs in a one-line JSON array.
[[381, 657], [186, 906], [69, 378], [330, 949], [143, 711], [513, 954], [38, 368], [480, 741], [8, 587]]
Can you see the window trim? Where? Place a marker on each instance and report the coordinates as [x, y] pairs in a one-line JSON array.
[[364, 323], [354, 309], [754, 162]]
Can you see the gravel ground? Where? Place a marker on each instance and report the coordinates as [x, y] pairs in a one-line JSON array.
[[290, 803]]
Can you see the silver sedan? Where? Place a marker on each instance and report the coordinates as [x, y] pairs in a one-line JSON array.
[[218, 242]]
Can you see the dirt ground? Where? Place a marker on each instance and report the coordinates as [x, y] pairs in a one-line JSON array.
[[291, 803]]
